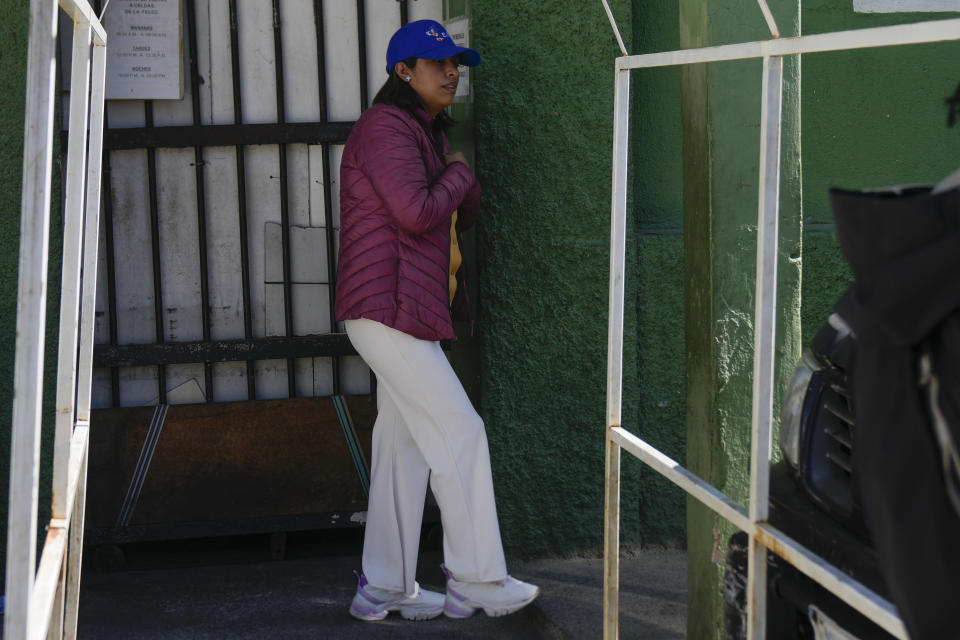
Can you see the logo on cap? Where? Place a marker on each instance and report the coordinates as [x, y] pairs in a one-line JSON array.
[[438, 36]]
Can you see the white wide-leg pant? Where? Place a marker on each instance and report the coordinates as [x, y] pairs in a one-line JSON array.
[[426, 428]]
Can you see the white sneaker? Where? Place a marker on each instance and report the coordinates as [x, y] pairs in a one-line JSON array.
[[373, 603], [495, 598]]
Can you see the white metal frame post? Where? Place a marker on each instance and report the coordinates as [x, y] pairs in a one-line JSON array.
[[32, 288], [763, 536], [618, 243], [765, 327], [43, 602]]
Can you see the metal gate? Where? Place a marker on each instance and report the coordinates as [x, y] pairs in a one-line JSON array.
[[226, 397], [754, 522]]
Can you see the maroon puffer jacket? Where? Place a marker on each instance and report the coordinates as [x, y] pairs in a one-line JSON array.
[[396, 200]]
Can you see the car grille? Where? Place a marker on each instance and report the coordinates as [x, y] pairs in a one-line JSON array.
[[828, 469]]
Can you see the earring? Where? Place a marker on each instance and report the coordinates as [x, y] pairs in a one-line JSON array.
[[407, 78]]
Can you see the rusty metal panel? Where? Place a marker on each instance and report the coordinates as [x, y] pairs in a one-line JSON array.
[[227, 468]]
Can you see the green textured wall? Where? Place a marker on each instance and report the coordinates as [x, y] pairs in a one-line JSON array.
[[656, 174], [544, 109], [721, 125], [872, 118]]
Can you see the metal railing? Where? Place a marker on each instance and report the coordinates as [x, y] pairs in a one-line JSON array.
[[763, 536], [42, 601]]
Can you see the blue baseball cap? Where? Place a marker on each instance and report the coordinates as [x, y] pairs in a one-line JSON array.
[[426, 39]]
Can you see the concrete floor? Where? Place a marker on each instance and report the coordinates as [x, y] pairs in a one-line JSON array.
[[230, 588]]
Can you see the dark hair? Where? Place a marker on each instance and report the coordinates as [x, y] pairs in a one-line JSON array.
[[398, 93]]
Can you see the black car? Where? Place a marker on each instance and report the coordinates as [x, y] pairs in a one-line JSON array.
[[814, 500], [871, 429]]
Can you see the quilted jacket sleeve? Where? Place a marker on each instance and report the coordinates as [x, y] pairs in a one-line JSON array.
[[470, 208], [394, 164]]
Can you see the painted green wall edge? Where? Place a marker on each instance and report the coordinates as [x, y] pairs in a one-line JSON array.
[[721, 117], [544, 114]]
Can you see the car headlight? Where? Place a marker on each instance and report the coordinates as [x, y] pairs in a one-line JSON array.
[[791, 414]]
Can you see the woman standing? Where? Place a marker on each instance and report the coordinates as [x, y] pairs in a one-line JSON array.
[[404, 198]]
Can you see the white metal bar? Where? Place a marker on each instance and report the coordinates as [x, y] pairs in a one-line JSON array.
[[618, 243], [48, 576], [55, 622], [768, 16], [916, 33], [611, 544], [693, 484], [91, 240], [616, 29], [764, 335], [867, 602], [82, 13], [81, 447], [39, 601], [47, 583], [839, 583], [71, 265], [31, 314]]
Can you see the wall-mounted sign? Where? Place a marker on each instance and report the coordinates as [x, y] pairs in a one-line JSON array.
[[144, 50], [899, 6], [459, 30]]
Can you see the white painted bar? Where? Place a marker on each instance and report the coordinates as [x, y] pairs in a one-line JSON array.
[[35, 599], [47, 582], [92, 241], [836, 581], [901, 6], [616, 29], [82, 13], [31, 317], [916, 33], [611, 543], [864, 600], [768, 16], [764, 334], [72, 260], [618, 243], [690, 482], [48, 579], [79, 452]]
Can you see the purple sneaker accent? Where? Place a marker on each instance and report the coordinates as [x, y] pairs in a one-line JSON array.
[[496, 598], [361, 583], [422, 605], [366, 613], [453, 611], [365, 593], [456, 595]]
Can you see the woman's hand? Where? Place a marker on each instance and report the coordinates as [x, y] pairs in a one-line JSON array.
[[456, 156]]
